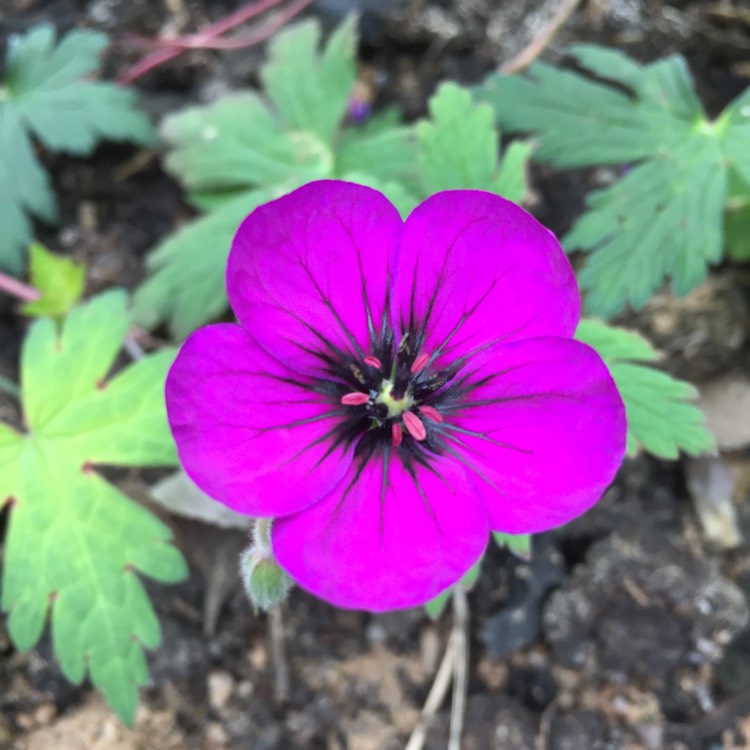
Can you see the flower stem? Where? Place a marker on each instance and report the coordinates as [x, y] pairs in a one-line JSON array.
[[262, 534], [460, 637], [278, 654], [208, 37], [18, 289]]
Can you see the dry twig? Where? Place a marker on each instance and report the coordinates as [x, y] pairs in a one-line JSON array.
[[208, 38], [540, 42], [460, 636], [454, 666]]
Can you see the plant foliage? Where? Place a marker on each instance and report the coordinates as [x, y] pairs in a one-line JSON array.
[[662, 417], [74, 542], [47, 95], [244, 150], [60, 282], [663, 219]]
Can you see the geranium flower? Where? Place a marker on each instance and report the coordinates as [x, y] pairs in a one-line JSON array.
[[395, 390]]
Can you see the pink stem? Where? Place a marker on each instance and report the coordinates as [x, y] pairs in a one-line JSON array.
[[201, 40], [18, 289]]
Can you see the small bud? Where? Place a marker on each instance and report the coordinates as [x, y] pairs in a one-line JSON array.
[[265, 581]]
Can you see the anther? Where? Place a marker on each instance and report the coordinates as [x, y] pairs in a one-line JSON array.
[[373, 361], [414, 426], [431, 413], [397, 434], [419, 362], [354, 399]]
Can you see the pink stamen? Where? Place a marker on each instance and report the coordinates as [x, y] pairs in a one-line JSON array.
[[414, 426], [397, 434], [355, 399], [373, 361], [420, 362], [431, 413]]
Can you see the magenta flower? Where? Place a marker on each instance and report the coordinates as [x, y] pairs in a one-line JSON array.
[[395, 390]]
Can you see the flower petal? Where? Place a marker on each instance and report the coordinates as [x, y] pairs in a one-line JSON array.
[[248, 430], [381, 546], [543, 426], [474, 268], [309, 271]]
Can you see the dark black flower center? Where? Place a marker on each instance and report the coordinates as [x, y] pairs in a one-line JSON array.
[[391, 397]]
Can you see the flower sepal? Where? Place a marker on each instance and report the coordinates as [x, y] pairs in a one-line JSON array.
[[266, 582]]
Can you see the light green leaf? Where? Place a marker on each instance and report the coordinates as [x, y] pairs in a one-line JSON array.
[[236, 144], [311, 90], [436, 606], [518, 544], [47, 92], [512, 180], [74, 542], [579, 121], [663, 219], [60, 280], [186, 287], [459, 147], [662, 418], [381, 148], [734, 124]]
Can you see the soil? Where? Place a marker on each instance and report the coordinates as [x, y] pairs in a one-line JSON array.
[[627, 629]]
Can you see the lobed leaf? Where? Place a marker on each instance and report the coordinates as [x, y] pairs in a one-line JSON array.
[[633, 112], [381, 148], [237, 144], [459, 148], [662, 418], [46, 92], [74, 542], [662, 219], [311, 90], [59, 280], [186, 285]]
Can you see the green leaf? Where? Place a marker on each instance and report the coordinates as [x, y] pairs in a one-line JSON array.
[[663, 219], [458, 148], [662, 418], [311, 90], [60, 280], [186, 287], [436, 606], [735, 122], [74, 542], [238, 153], [645, 110], [47, 93], [737, 232], [236, 144], [518, 544], [381, 148]]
